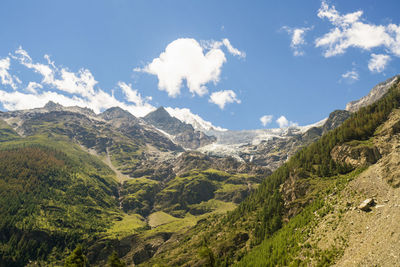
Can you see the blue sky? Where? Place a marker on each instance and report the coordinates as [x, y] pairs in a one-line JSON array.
[[296, 59]]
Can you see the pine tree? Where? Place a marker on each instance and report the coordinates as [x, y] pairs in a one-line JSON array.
[[114, 260], [76, 258]]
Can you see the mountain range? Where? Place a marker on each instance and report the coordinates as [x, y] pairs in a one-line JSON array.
[[168, 190]]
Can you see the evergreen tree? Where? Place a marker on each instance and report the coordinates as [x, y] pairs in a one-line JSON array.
[[76, 258], [114, 260]]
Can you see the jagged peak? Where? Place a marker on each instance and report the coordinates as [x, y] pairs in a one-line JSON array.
[[115, 113], [53, 106], [160, 112]]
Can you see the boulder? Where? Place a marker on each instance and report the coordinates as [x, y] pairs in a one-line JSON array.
[[367, 204]]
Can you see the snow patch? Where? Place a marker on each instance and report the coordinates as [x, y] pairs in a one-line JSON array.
[[186, 116]]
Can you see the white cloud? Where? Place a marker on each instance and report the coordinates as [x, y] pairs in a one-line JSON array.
[[5, 76], [378, 62], [69, 89], [212, 44], [221, 98], [351, 76], [81, 83], [297, 35], [16, 100], [33, 87], [23, 57], [186, 59], [266, 119], [283, 122], [234, 51], [142, 107], [351, 31]]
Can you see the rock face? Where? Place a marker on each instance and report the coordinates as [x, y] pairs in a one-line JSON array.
[[117, 115], [388, 144], [182, 133], [375, 94], [161, 119], [355, 155], [334, 120], [194, 139]]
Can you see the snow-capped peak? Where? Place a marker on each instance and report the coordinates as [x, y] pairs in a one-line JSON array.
[[186, 116]]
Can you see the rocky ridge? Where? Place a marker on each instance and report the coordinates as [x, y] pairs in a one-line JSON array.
[[375, 94], [180, 132]]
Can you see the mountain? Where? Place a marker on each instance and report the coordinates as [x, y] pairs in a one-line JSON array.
[[118, 114], [115, 176], [199, 124], [374, 95], [271, 147], [331, 202], [161, 119], [123, 186], [182, 133]]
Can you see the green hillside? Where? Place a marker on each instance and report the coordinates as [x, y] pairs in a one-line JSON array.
[[53, 195]]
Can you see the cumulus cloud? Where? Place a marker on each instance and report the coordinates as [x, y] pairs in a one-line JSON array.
[[5, 76], [266, 119], [378, 62], [33, 87], [283, 122], [297, 36], [351, 76], [221, 98], [186, 59], [351, 31], [69, 89]]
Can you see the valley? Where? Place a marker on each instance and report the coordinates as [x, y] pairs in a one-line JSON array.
[[162, 192]]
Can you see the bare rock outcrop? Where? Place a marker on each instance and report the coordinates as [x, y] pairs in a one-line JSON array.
[[355, 156]]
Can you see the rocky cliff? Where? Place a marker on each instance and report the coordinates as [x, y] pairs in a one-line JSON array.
[[375, 94]]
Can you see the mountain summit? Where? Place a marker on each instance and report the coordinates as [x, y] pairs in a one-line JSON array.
[[161, 119], [181, 132]]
